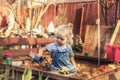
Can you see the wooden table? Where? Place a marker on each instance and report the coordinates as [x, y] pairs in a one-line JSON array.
[[54, 75]]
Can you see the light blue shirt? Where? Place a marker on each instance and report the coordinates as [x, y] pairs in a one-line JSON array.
[[60, 55]]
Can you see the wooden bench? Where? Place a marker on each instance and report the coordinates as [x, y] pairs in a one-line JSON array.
[[8, 42]]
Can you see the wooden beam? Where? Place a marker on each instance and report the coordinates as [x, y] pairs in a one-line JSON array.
[[81, 21], [115, 33], [18, 52], [25, 41]]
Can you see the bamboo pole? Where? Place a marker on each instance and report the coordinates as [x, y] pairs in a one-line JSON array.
[[11, 8], [30, 15], [18, 10], [43, 9], [98, 23]]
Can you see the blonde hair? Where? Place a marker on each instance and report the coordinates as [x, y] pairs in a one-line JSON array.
[[66, 30]]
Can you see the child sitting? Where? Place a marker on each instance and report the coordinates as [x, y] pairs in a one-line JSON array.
[[61, 52]]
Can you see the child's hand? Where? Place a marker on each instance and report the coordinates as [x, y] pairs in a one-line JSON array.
[[78, 68], [40, 53], [30, 54]]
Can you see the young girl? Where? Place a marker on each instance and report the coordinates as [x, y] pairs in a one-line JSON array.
[[61, 52]]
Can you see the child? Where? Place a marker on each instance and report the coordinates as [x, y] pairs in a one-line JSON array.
[[61, 52]]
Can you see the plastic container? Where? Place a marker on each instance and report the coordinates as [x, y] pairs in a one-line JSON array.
[[117, 53], [17, 63], [86, 54], [8, 55], [8, 60], [110, 50], [113, 52]]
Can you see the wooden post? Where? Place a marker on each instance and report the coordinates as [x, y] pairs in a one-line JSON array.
[[98, 23], [81, 23]]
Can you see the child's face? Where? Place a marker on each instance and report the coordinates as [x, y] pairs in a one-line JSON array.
[[61, 39]]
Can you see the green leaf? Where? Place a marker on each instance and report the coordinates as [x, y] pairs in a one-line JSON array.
[[47, 78], [24, 74], [13, 74], [29, 74], [40, 76]]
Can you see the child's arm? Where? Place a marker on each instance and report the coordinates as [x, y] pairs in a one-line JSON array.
[[74, 63], [41, 51]]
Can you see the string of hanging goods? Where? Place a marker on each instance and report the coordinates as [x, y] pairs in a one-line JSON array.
[[116, 7], [105, 7]]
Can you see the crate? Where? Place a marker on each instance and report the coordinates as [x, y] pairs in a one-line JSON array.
[[110, 50], [113, 53], [117, 53]]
